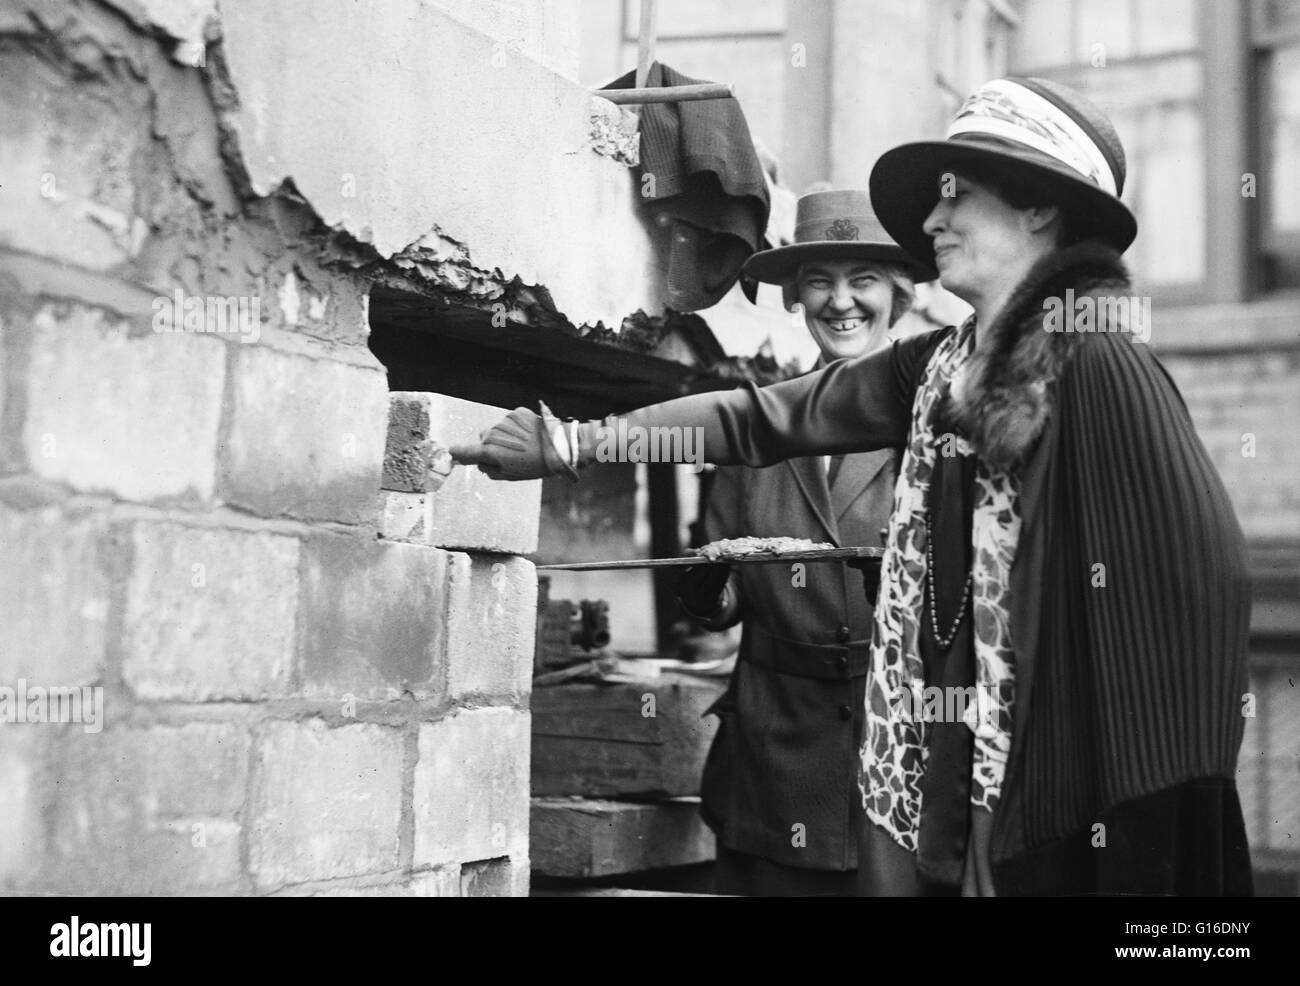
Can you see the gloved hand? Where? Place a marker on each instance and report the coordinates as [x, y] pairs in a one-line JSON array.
[[870, 569], [524, 445], [701, 588]]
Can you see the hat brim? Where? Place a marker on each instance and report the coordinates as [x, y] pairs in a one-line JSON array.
[[776, 266], [904, 188]]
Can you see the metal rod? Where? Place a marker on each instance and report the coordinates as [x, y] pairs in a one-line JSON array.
[[669, 94]]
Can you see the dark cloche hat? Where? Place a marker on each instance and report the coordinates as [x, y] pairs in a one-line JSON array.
[[1029, 126]]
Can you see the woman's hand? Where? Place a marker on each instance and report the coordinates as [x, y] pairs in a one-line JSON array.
[[524, 445], [702, 589], [870, 569]]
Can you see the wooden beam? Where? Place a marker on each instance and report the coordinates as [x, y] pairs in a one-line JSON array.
[[645, 41], [595, 838], [669, 94]]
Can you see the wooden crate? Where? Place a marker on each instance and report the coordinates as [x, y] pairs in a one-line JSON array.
[[644, 738]]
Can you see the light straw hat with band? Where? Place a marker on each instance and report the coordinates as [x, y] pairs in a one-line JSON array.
[[834, 225], [1032, 127]]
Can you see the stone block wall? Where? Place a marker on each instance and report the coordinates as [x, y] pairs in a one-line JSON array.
[[292, 683]]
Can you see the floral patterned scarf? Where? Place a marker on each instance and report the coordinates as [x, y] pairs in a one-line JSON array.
[[895, 746]]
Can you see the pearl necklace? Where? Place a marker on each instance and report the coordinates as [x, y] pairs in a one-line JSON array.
[[943, 641]]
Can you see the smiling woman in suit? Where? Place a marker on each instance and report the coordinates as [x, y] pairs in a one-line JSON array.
[[778, 787]]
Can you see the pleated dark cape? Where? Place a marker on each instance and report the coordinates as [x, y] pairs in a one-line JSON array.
[[1130, 614]]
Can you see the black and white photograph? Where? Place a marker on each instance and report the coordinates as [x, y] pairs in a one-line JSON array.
[[651, 448]]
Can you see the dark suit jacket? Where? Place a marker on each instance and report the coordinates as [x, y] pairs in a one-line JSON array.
[[780, 778]]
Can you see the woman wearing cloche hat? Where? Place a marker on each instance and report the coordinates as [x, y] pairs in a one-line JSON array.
[[1058, 654]]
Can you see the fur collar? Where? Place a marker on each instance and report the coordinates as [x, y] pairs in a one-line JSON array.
[[1004, 400]]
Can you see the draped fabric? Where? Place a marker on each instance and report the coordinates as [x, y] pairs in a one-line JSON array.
[[915, 689], [1138, 656]]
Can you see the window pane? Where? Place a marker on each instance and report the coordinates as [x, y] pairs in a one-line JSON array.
[[1281, 204], [1276, 15], [1165, 25], [1103, 26], [1169, 195], [1155, 107], [1043, 37]]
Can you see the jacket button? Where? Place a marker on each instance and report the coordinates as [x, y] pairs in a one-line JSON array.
[[842, 634], [843, 661], [846, 713]]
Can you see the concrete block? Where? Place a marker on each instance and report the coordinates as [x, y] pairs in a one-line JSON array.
[[1281, 718], [306, 437], [210, 613], [22, 832], [146, 810], [69, 174], [469, 511], [442, 882], [471, 787], [1282, 818], [373, 619], [506, 877], [133, 417], [491, 626], [326, 803], [55, 584]]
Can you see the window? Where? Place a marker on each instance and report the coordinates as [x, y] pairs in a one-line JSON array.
[[1141, 62], [1275, 33]]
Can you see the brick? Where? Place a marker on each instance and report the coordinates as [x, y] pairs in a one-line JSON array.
[[146, 811], [373, 623], [326, 803], [442, 882], [506, 877], [471, 787], [68, 166], [1281, 719], [469, 511], [210, 613], [1281, 777], [491, 626], [55, 583], [133, 417], [1249, 793], [306, 437], [22, 833]]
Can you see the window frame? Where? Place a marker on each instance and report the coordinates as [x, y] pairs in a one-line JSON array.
[[1261, 41], [1165, 293]]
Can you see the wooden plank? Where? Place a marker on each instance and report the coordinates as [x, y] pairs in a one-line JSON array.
[[595, 838], [641, 738], [645, 40], [668, 94]]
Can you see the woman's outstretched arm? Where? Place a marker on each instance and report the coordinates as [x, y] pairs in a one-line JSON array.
[[850, 406]]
